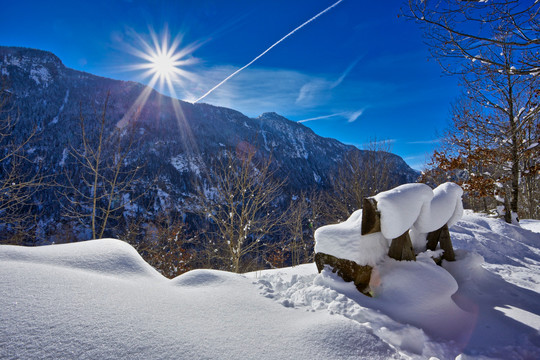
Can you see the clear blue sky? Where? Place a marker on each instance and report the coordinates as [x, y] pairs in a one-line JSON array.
[[361, 70]]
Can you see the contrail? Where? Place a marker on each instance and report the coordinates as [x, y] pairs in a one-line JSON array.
[[322, 117], [351, 116], [345, 73], [267, 50]]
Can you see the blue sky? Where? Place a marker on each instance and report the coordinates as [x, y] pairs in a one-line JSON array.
[[359, 71]]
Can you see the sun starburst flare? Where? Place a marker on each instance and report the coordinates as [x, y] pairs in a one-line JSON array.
[[164, 63]]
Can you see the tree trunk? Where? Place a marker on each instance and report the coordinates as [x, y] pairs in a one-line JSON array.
[[514, 154], [514, 205], [507, 210]]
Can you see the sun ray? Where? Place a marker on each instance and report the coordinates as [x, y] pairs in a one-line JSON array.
[[163, 63]]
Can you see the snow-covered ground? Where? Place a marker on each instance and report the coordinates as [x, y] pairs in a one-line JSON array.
[[99, 299]]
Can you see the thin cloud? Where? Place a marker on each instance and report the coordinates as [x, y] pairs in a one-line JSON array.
[[257, 90], [312, 91], [253, 92], [434, 141], [417, 162], [415, 157], [345, 73], [372, 144], [316, 89], [378, 143], [355, 115]]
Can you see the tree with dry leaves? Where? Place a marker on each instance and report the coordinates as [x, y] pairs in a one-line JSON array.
[[476, 153]]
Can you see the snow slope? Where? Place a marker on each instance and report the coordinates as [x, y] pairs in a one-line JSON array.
[[99, 299]]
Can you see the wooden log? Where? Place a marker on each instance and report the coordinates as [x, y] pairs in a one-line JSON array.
[[401, 248], [442, 237], [446, 244], [371, 217], [346, 269], [433, 239]]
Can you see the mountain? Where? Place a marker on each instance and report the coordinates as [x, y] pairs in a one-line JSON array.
[[176, 139]]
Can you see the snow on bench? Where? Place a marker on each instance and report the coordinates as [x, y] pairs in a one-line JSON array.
[[344, 241], [400, 207], [431, 227], [444, 208], [384, 227], [426, 213]]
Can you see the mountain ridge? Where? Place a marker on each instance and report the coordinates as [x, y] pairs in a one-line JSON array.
[[177, 140]]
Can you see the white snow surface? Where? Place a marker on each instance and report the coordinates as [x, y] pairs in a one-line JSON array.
[[99, 299], [532, 225], [55, 119], [344, 240], [184, 163], [40, 75]]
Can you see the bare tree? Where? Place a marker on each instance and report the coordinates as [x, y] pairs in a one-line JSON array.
[[362, 174], [494, 46], [299, 239], [20, 179], [305, 214], [474, 30], [102, 181], [242, 207], [162, 244]]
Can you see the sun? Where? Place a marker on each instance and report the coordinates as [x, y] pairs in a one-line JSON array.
[[165, 60], [163, 68], [163, 65]]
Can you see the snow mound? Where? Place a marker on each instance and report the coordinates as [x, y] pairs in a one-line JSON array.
[[470, 309], [417, 206], [529, 224], [420, 293], [204, 277], [506, 316], [60, 312], [412, 292], [344, 240], [105, 256]]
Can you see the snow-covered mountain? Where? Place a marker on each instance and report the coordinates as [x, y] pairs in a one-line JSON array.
[[179, 143], [99, 299]]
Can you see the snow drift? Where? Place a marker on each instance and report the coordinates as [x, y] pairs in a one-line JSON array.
[[98, 299]]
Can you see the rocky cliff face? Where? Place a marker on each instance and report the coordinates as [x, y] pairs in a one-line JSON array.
[[178, 142]]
